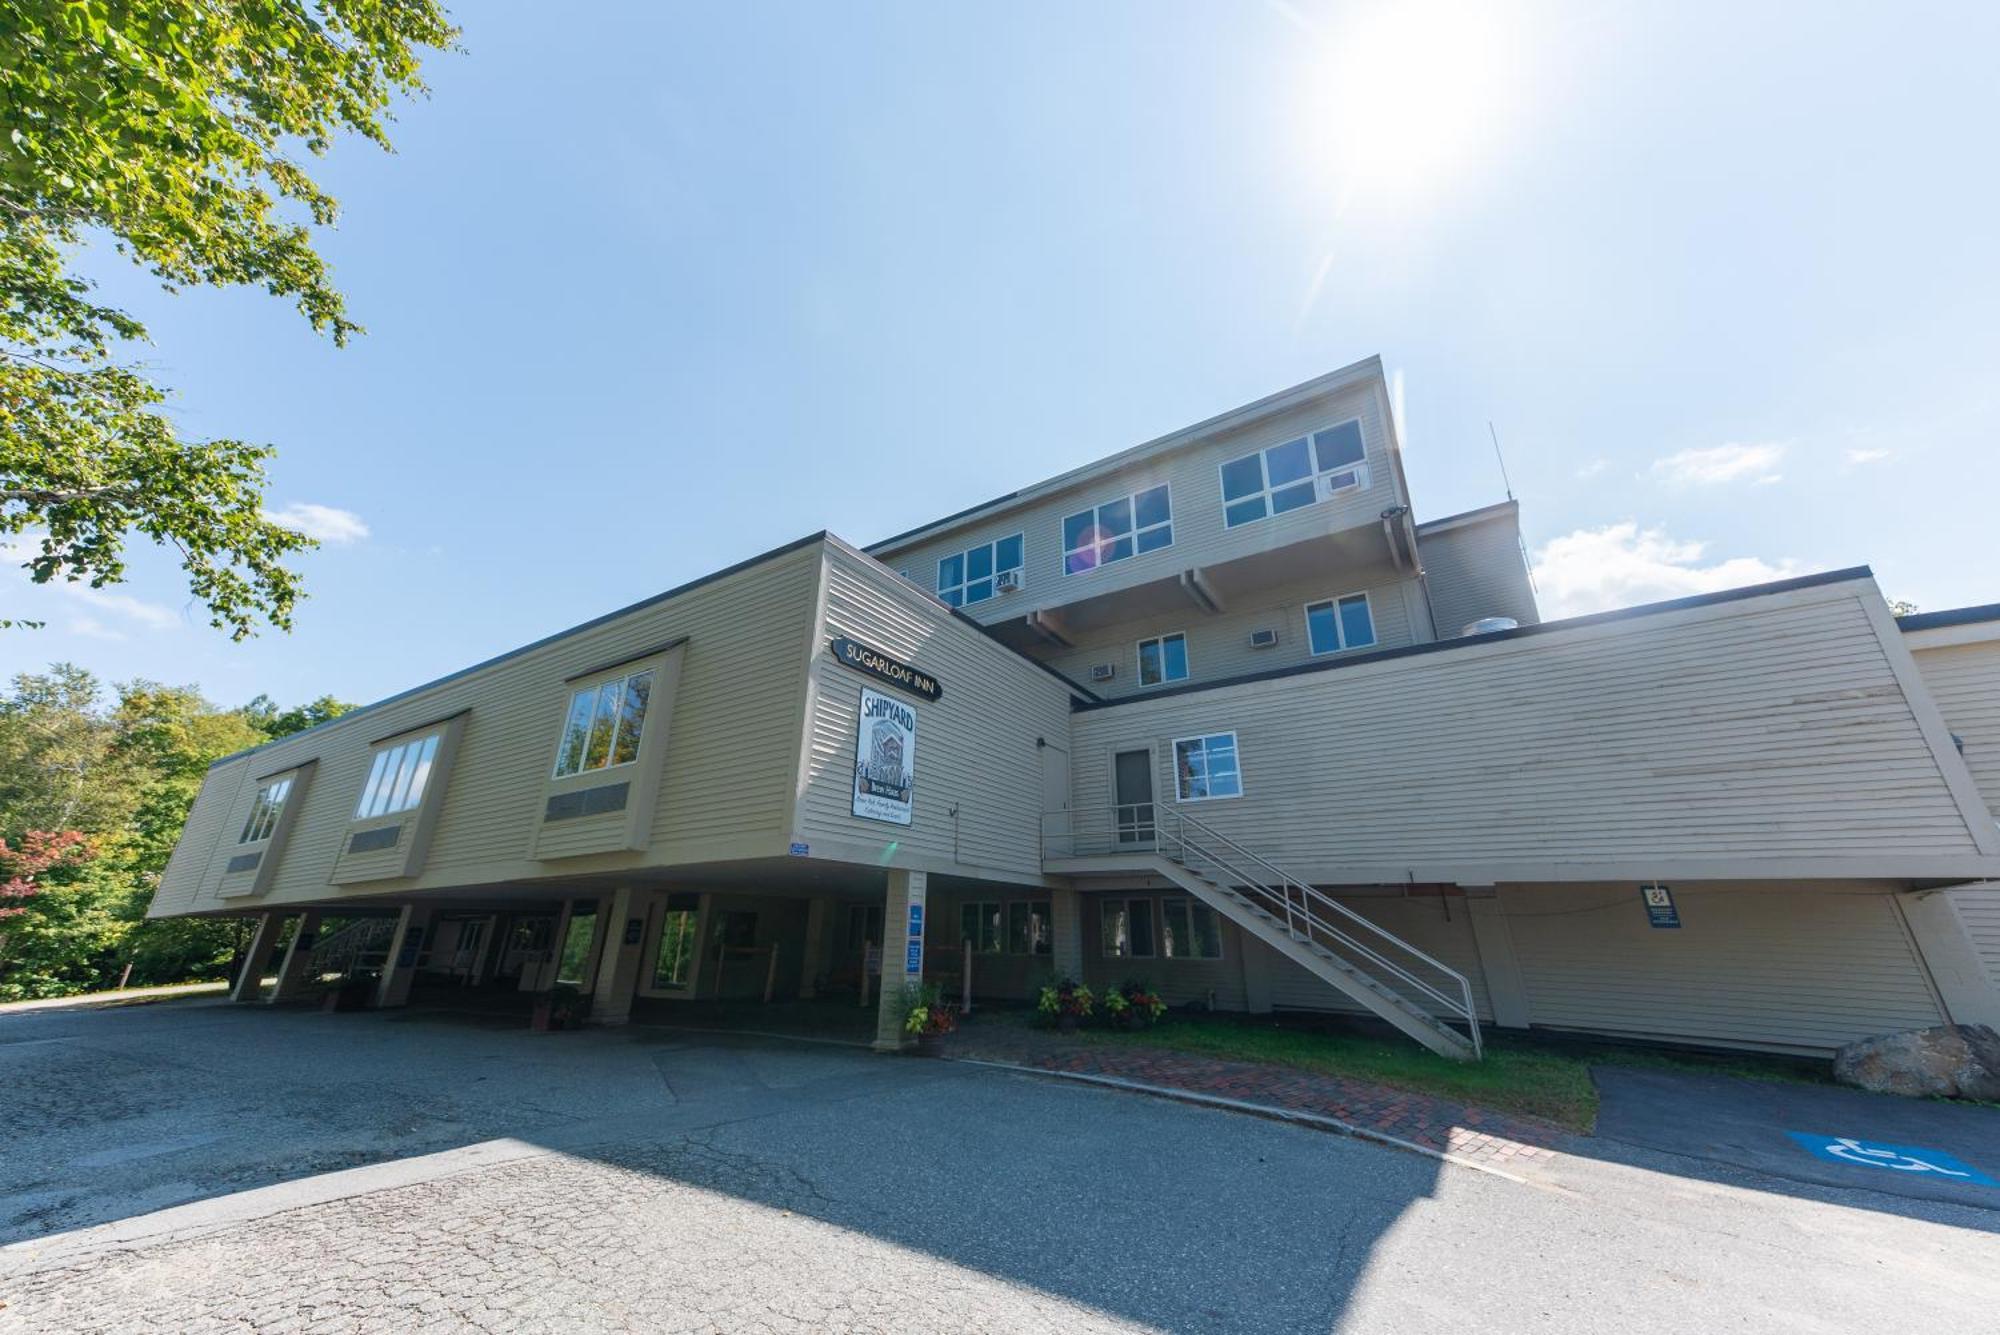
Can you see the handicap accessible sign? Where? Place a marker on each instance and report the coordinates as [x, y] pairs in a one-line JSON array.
[[1911, 1160]]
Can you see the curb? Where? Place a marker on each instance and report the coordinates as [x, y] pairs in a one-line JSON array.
[[1316, 1121]]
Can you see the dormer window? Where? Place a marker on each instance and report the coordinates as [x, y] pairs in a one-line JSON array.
[[1293, 475], [604, 724], [397, 779], [264, 812], [1117, 530]]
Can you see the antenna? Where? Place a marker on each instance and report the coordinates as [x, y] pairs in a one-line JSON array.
[[1501, 457]]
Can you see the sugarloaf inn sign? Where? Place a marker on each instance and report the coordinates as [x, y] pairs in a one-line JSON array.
[[885, 734]]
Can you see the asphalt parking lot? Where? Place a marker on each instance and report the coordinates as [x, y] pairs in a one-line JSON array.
[[195, 1166]]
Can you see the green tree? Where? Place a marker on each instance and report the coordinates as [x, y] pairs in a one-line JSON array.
[[275, 722], [175, 128]]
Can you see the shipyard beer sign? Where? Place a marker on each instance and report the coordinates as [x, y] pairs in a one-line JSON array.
[[878, 664], [885, 757]]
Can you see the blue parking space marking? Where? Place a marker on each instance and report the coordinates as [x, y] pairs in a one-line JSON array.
[[1913, 1160]]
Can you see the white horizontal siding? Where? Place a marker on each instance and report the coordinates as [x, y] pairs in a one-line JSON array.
[[1437, 925], [1476, 570], [1979, 910], [1764, 729], [1965, 681], [1805, 967]]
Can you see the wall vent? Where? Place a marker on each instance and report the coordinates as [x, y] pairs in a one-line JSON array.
[[1102, 671], [368, 841], [1263, 639]]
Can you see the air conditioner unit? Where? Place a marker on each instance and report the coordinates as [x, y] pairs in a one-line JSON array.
[[1007, 581], [1263, 639], [1102, 671]]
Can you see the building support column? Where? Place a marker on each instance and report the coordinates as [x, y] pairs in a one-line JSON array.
[[817, 913], [902, 954], [298, 957], [482, 963], [413, 925], [1506, 992], [623, 925], [1259, 961], [1066, 934], [1948, 952], [250, 980]]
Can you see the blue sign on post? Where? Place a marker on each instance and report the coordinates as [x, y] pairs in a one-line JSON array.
[[916, 920], [1911, 1159], [1660, 910], [913, 962]]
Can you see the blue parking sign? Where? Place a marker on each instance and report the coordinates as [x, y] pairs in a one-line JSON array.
[[1913, 1160]]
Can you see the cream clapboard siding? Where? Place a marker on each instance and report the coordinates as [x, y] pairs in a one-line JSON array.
[[1179, 982], [1439, 926], [1219, 644], [1808, 967], [1200, 538], [1964, 679], [1475, 569], [731, 760], [1979, 909], [208, 836], [1761, 731], [975, 745]]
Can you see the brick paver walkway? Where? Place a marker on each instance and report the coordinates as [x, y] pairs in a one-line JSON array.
[[1478, 1135]]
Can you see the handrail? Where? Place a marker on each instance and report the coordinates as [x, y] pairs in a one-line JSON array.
[[1167, 828]]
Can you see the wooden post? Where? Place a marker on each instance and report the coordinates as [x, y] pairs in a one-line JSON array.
[[771, 974], [965, 1002], [864, 974]]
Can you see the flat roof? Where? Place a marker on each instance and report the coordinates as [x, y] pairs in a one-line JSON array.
[[1518, 633], [1957, 616]]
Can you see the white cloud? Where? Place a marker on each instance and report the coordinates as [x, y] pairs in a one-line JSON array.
[[328, 524], [1857, 458], [1593, 468], [1619, 565], [1721, 463], [93, 629]]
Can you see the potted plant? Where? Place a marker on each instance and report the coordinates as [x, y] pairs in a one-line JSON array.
[[1117, 1009], [560, 1007], [929, 1018], [1064, 1003], [1142, 1004]]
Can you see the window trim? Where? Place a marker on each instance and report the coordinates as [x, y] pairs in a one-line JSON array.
[[1161, 640], [1242, 784], [1193, 905], [431, 741], [1339, 630], [596, 686], [271, 811], [1131, 498], [979, 906], [939, 588], [1103, 947], [1007, 927], [1363, 473]]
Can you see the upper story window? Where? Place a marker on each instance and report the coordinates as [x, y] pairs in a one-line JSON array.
[[1115, 530], [1293, 475], [397, 778], [976, 574], [604, 724], [265, 811], [1163, 659], [1206, 767], [1340, 623]]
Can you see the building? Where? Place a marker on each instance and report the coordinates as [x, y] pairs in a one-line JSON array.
[[1219, 710]]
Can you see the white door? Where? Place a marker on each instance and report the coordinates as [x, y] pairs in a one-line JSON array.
[[1056, 836]]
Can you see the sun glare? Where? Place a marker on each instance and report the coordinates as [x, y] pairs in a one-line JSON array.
[[1411, 94]]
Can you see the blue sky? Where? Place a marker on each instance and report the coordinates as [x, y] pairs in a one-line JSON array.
[[654, 292]]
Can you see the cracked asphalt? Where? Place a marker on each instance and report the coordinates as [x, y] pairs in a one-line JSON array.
[[196, 1167]]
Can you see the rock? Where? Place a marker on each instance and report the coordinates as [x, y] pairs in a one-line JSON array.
[[1958, 1061]]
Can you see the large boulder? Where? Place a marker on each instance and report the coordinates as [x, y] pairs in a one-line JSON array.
[[1956, 1061]]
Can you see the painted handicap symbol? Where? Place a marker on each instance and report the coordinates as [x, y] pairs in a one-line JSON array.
[[1911, 1159]]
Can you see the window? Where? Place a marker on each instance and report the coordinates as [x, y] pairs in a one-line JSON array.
[[1116, 530], [1293, 475], [265, 811], [1189, 931], [604, 724], [1206, 768], [1028, 927], [1163, 659], [396, 781], [980, 924], [969, 576], [1340, 623], [1127, 928], [674, 962], [864, 924]]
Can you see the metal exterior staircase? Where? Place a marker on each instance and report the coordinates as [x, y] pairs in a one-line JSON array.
[[1418, 994], [360, 944]]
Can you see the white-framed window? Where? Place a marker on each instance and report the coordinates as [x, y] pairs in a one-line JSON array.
[[1340, 623], [979, 923], [1293, 475], [604, 723], [973, 575], [1126, 929], [264, 812], [1162, 659], [1118, 530], [1206, 768], [1029, 927], [1189, 930], [673, 964], [397, 779]]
